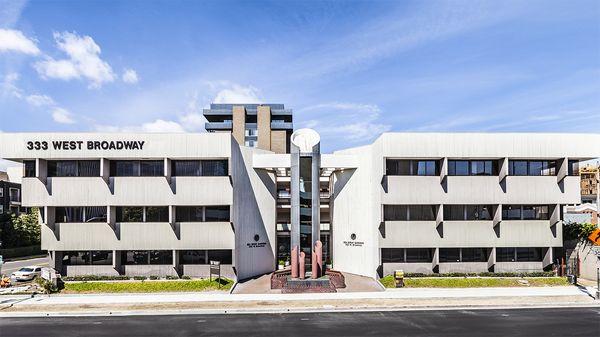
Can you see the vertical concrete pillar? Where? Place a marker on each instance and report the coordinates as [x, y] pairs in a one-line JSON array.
[[562, 170], [443, 171], [436, 260], [547, 261], [295, 271], [56, 260], [105, 170], [491, 259], [316, 196], [302, 265], [263, 125], [295, 208], [117, 263], [176, 264], [555, 216], [239, 123]]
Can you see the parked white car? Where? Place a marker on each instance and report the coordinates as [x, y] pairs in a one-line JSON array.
[[27, 273]]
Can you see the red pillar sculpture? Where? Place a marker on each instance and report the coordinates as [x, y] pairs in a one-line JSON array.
[[302, 265], [295, 262], [317, 260]]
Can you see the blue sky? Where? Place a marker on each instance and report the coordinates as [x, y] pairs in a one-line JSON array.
[[351, 70]]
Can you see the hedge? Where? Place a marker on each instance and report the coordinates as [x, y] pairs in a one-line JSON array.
[[484, 274], [21, 251]]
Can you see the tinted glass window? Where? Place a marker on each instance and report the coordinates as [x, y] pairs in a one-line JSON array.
[[461, 168], [88, 168], [125, 168], [76, 258], [449, 255], [29, 166], [505, 254], [454, 212], [186, 168], [422, 212], [193, 257], [95, 214], [188, 213], [104, 258], [152, 168], [419, 255], [66, 168], [517, 168], [478, 212], [130, 214], [161, 257], [134, 257], [511, 212], [474, 255], [392, 255], [529, 254], [396, 167], [69, 214], [157, 214], [395, 213], [406, 167], [216, 213], [223, 256], [573, 167], [214, 168]]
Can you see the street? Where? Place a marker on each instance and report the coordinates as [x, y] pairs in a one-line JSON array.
[[9, 267], [504, 322]]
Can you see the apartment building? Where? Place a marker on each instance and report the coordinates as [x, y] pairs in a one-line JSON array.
[[167, 204], [10, 195]]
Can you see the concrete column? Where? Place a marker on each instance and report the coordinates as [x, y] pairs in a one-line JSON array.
[[116, 263], [295, 203], [176, 261], [105, 170], [239, 123], [173, 221], [436, 260], [503, 173], [555, 217], [443, 170], [547, 257], [497, 215], [316, 195], [492, 259], [263, 125], [50, 221], [56, 260], [562, 169], [439, 217]]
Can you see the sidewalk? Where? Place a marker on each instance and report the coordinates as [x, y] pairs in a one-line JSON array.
[[219, 302]]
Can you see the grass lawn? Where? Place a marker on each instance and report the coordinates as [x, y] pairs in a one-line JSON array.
[[475, 282], [146, 286]]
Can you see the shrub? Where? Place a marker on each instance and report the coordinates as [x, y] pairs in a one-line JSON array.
[[483, 274], [96, 278], [139, 278], [153, 277], [46, 286], [172, 277], [185, 277]]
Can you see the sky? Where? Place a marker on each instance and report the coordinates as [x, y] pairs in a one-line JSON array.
[[349, 69]]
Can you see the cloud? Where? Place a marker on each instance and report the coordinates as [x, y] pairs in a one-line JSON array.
[[236, 93], [156, 126], [350, 122], [9, 86], [40, 100], [10, 12], [83, 61], [130, 76], [14, 41], [62, 116]]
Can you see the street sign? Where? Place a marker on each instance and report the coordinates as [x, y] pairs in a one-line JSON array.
[[595, 237], [215, 268]]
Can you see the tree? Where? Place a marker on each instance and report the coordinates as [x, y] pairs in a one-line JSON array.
[[21, 230]]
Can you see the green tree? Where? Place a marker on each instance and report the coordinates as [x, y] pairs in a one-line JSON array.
[[20, 230]]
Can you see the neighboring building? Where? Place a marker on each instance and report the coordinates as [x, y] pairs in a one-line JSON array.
[[583, 213], [589, 183], [156, 204], [264, 126], [10, 195]]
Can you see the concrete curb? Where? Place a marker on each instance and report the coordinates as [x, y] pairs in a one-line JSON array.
[[324, 309]]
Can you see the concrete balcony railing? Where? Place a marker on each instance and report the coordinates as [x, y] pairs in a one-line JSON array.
[[425, 234], [479, 190], [138, 236], [129, 191]]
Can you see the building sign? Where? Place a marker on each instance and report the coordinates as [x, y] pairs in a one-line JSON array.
[[89, 145], [353, 243], [256, 244]]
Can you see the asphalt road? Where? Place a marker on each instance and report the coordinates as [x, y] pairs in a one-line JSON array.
[[9, 267], [513, 322]]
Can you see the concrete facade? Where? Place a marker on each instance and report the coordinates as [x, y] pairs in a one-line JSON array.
[[359, 188]]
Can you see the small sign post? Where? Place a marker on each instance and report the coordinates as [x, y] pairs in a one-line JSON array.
[[1, 263], [215, 268]]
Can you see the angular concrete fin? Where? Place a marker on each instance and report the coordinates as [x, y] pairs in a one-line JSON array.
[[503, 173], [562, 170]]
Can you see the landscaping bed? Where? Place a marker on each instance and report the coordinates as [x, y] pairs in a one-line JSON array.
[[143, 286], [475, 282]]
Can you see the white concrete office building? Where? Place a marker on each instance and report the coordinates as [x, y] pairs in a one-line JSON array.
[[167, 204]]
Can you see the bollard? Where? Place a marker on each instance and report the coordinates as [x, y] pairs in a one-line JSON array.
[[598, 283], [399, 278]]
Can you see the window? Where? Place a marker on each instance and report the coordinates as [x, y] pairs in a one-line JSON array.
[[419, 255], [104, 257], [529, 254], [472, 167], [449, 254], [29, 166], [468, 212], [1, 191], [200, 168], [69, 214], [157, 214], [525, 212], [145, 257], [214, 168], [223, 256], [474, 254], [14, 194], [519, 254], [95, 214], [216, 213], [188, 213], [505, 254], [193, 257], [403, 167], [392, 255], [136, 168], [573, 167], [409, 212], [532, 167], [1, 209], [74, 168], [130, 214], [251, 132]]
